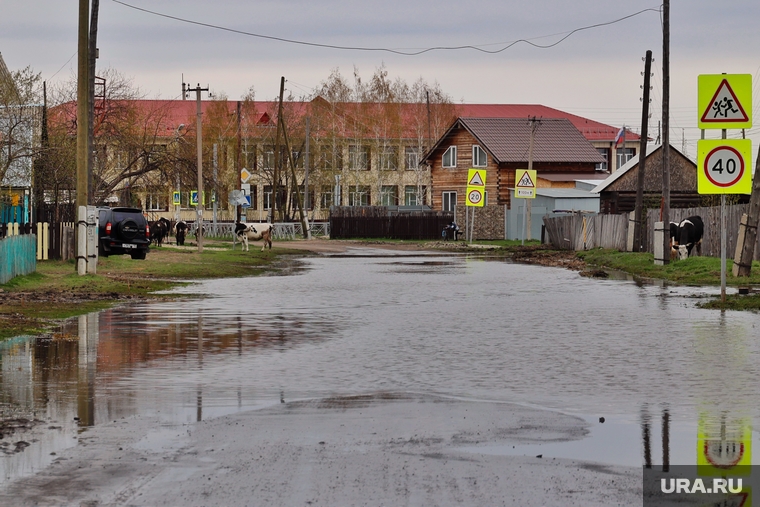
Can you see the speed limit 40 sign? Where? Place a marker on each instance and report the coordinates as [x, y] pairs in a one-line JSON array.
[[724, 166]]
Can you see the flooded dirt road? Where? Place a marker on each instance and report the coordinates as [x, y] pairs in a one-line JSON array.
[[414, 378]]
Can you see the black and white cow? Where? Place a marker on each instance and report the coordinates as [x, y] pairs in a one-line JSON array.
[[180, 232], [690, 232], [254, 232], [673, 240]]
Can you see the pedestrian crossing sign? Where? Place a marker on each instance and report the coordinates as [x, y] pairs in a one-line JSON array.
[[724, 101], [525, 184]]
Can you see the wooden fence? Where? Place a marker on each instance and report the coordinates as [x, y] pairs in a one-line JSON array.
[[18, 256], [584, 231]]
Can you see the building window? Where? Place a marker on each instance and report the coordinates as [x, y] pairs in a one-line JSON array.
[[330, 157], [267, 196], [294, 199], [388, 158], [156, 201], [605, 153], [414, 195], [450, 157], [624, 155], [389, 195], [479, 158], [249, 157], [267, 161], [412, 158], [358, 195], [358, 157], [449, 201], [326, 198]]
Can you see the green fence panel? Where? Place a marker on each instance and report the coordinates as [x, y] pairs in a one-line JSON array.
[[18, 256]]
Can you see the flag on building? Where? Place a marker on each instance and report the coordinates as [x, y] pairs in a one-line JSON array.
[[620, 137]]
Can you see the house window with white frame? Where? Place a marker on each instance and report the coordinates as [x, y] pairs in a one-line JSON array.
[[249, 157], [449, 201], [414, 195], [450, 157], [326, 197], [388, 158], [389, 195], [358, 157], [479, 158], [358, 195], [624, 155], [411, 158], [268, 158], [605, 153], [156, 201], [267, 196]]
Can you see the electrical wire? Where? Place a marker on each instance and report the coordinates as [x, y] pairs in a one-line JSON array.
[[389, 50]]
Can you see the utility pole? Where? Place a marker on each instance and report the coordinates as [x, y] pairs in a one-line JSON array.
[[666, 131], [199, 145], [276, 178], [534, 123], [82, 100], [238, 161], [91, 57], [82, 130], [306, 173], [639, 210]]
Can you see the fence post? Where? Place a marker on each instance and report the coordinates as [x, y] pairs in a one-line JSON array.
[[45, 240]]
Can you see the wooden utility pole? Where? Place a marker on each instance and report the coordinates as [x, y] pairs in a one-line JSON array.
[[82, 100], [534, 123], [745, 246], [199, 147], [666, 131], [276, 178], [639, 210], [238, 160]]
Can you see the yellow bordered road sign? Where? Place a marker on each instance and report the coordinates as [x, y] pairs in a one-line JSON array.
[[724, 101], [476, 178], [475, 196], [525, 184], [176, 198], [724, 166]]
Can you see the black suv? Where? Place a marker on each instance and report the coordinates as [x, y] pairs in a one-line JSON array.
[[123, 231]]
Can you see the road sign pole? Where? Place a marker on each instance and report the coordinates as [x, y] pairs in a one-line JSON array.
[[525, 222], [723, 240]]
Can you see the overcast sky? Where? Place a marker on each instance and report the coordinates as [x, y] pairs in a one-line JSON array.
[[596, 72]]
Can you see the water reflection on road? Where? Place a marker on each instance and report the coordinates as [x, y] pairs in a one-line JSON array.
[[664, 374]]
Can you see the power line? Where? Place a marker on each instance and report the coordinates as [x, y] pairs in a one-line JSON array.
[[389, 50]]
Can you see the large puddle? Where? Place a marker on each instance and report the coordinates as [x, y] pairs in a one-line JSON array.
[[673, 383]]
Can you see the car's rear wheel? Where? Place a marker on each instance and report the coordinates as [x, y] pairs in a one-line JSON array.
[[127, 228]]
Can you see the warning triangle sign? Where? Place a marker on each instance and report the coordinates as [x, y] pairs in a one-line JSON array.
[[476, 180], [724, 106], [526, 181]]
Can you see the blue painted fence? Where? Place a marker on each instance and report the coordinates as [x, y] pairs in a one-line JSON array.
[[18, 256]]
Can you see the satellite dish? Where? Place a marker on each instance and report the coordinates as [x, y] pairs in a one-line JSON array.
[[237, 198]]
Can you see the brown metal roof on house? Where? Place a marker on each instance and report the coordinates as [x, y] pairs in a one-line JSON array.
[[508, 140]]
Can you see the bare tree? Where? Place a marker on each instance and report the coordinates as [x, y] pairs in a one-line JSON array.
[[20, 117]]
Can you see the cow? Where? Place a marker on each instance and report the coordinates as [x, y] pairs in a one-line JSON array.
[[673, 239], [690, 232], [180, 232], [254, 232], [159, 230]]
